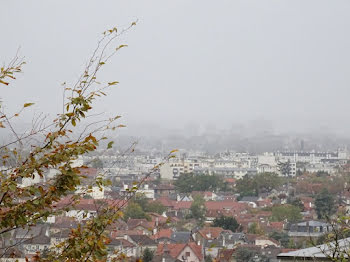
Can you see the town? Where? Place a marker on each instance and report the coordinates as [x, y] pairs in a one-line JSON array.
[[229, 206]]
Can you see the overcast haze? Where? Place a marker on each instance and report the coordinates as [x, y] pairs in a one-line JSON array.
[[280, 64]]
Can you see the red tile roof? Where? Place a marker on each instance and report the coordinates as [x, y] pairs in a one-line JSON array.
[[163, 233], [175, 249], [210, 232]]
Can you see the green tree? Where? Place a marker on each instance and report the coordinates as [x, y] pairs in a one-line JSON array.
[[325, 204], [208, 258], [260, 183], [198, 209], [255, 228], [147, 205], [282, 237], [147, 255], [249, 255], [283, 212], [187, 183], [284, 168], [134, 210], [156, 207], [96, 163], [296, 202], [228, 223]]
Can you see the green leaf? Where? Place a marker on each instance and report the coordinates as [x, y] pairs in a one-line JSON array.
[[110, 145]]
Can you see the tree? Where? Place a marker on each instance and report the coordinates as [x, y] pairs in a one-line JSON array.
[[282, 237], [155, 207], [297, 203], [284, 168], [255, 228], [147, 255], [249, 255], [186, 183], [208, 258], [228, 223], [148, 206], [96, 163], [198, 209], [325, 204], [260, 183], [56, 146], [134, 210], [286, 212]]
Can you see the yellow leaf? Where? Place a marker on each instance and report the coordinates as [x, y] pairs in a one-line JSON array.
[[3, 82], [28, 104], [113, 83], [2, 125]]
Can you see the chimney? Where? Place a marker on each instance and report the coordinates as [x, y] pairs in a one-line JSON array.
[[126, 186], [146, 187], [126, 237]]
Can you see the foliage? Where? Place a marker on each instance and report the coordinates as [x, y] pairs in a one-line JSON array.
[[155, 207], [286, 212], [134, 210], [147, 255], [149, 206], [296, 202], [55, 146], [96, 163], [208, 258], [198, 209], [187, 183], [253, 185], [228, 223], [255, 228], [282, 237], [249, 255], [325, 204], [284, 167]]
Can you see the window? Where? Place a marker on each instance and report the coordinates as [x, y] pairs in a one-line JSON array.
[[188, 254]]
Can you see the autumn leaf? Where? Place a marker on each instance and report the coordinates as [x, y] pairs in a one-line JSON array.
[[28, 104], [113, 83]]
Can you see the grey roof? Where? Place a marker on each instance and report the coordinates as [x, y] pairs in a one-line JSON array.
[[181, 237], [143, 240], [249, 199], [321, 251], [313, 223]]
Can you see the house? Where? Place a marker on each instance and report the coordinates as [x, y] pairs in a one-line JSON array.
[[309, 229], [33, 240], [163, 235], [12, 254], [207, 233], [264, 241], [181, 237], [142, 242], [142, 225], [318, 253], [59, 237], [190, 252], [225, 255], [164, 190], [118, 246]]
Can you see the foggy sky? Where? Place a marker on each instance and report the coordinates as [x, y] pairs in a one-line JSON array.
[[283, 65]]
